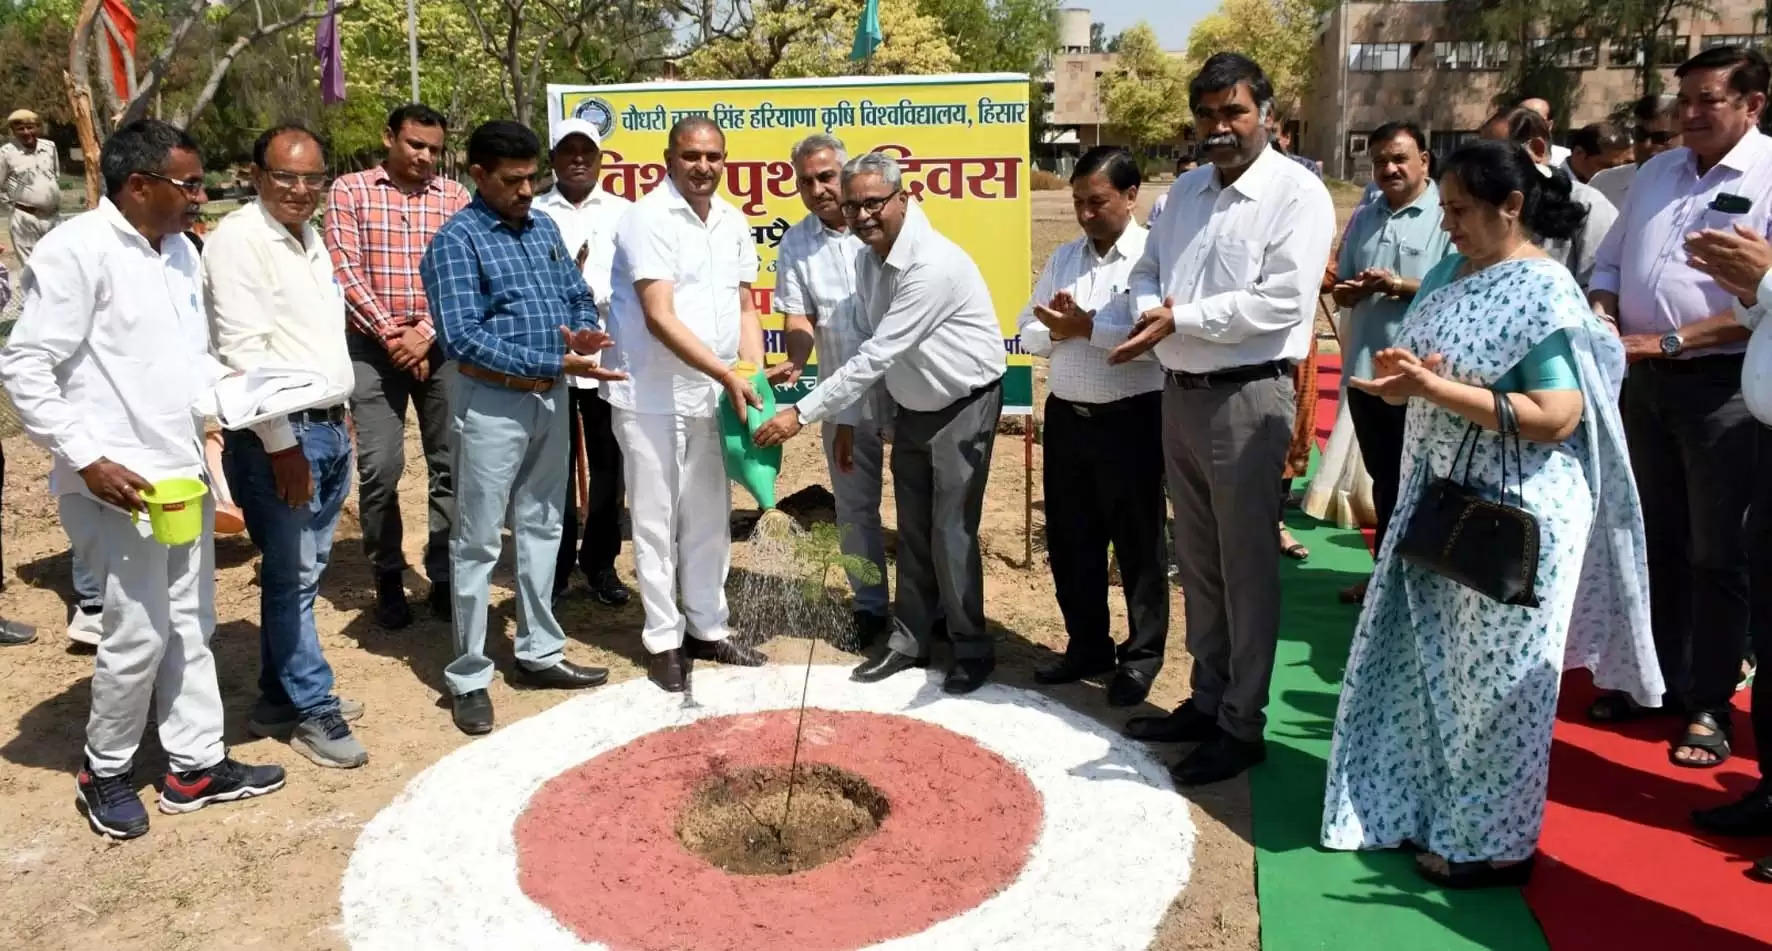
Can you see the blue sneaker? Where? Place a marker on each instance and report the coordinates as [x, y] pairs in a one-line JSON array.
[[226, 781], [112, 808]]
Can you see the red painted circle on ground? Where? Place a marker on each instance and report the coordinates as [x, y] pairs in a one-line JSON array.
[[597, 845]]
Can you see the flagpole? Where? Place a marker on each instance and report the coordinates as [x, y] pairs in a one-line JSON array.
[[412, 43]]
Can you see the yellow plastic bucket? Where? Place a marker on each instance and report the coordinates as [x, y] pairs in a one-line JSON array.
[[175, 510]]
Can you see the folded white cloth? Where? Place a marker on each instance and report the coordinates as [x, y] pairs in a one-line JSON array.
[[268, 392]]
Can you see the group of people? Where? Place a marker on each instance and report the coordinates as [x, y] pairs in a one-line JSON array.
[[1496, 292]]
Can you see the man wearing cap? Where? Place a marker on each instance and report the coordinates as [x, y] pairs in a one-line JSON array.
[[29, 182], [587, 216]]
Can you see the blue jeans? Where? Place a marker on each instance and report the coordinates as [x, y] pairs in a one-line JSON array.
[[296, 544]]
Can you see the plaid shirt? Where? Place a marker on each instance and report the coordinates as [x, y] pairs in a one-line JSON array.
[[376, 234], [501, 294]]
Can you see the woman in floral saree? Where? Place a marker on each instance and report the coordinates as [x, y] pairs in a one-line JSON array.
[[1442, 741]]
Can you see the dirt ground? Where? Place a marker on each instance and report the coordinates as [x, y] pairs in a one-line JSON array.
[[266, 873]]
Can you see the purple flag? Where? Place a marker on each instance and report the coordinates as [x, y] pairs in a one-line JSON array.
[[332, 66]]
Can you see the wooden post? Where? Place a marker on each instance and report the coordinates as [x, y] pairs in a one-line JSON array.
[[79, 83], [1027, 492]]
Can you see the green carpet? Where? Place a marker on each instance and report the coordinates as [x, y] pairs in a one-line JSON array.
[[1312, 898]]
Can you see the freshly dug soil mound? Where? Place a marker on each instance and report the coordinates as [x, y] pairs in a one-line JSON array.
[[735, 820]]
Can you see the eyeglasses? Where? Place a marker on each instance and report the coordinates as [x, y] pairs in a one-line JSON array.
[[872, 206], [314, 181], [1653, 138], [190, 186]]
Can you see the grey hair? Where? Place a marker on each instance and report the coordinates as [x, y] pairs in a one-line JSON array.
[[873, 163], [816, 143]]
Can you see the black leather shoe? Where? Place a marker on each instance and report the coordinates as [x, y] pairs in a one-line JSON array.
[[442, 609], [666, 670], [607, 588], [1762, 869], [562, 676], [473, 712], [1749, 816], [967, 675], [1069, 670], [1186, 725], [1218, 759], [1128, 688], [724, 651], [391, 610], [888, 663]]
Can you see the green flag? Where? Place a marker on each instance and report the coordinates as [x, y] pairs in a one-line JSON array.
[[867, 32]]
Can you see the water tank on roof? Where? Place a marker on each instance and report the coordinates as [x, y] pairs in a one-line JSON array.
[[1073, 28]]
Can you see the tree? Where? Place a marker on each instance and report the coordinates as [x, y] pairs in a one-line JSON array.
[[1646, 23], [1145, 93], [793, 38], [1098, 38], [1277, 34], [525, 37], [1540, 35]]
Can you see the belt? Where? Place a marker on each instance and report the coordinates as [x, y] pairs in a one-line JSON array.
[[1712, 363], [1244, 374], [324, 414], [969, 397], [526, 384], [1139, 401]]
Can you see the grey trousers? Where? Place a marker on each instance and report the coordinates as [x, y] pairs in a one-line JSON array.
[[940, 464], [511, 453], [858, 510], [1224, 444], [378, 407]]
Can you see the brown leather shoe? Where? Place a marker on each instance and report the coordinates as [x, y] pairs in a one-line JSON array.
[[725, 652], [666, 670]]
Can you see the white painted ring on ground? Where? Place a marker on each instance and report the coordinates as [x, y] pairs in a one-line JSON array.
[[437, 869]]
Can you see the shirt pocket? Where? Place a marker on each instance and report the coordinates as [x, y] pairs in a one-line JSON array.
[[1237, 263]]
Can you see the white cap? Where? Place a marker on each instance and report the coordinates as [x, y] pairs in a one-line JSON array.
[[575, 126]]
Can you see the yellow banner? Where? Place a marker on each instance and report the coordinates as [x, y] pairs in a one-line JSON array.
[[962, 142]]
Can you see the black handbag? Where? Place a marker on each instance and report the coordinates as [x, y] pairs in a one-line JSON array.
[[1484, 544]]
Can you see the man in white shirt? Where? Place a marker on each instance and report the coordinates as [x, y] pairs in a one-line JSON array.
[[106, 362], [938, 348], [588, 216], [1740, 260], [1104, 438], [30, 181], [1226, 293], [816, 294], [1657, 130], [682, 315], [273, 300], [1526, 128]]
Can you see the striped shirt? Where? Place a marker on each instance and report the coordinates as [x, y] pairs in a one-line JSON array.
[[815, 277], [376, 234], [1079, 370], [501, 294]]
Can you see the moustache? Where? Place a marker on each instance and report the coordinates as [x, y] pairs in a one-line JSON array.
[[1224, 140]]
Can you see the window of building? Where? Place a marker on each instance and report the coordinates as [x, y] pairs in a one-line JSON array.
[[1670, 51], [1379, 57], [1569, 53], [1471, 54], [1749, 40]]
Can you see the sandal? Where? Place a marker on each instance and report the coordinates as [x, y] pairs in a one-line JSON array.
[[1294, 551], [1465, 875], [1716, 743]]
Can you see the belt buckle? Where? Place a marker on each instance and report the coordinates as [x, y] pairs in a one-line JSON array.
[[1082, 410]]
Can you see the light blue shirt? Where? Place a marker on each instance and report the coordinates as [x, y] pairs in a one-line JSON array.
[[1407, 242]]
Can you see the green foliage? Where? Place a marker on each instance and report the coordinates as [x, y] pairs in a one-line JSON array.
[[1278, 34], [818, 552], [793, 38], [1145, 94]]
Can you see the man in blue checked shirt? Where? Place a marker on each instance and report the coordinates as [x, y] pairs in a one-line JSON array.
[[517, 317]]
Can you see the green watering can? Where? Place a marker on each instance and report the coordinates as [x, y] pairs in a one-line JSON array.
[[748, 464]]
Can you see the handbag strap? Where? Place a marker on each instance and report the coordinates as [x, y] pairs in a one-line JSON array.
[[1507, 426]]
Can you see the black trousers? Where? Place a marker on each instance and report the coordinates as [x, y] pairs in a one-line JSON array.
[[1759, 559], [601, 540], [1103, 480], [1693, 446], [1379, 428]]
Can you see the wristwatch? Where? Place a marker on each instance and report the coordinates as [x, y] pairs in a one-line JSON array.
[[1671, 344]]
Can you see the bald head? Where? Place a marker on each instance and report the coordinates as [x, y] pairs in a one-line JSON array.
[[689, 126], [1539, 106]]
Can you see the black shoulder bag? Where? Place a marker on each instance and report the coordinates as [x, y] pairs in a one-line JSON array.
[[1486, 545]]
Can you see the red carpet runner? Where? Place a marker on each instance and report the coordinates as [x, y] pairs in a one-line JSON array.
[[1621, 867]]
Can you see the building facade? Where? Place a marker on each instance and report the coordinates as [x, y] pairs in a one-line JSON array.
[[1075, 119], [1380, 62]]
